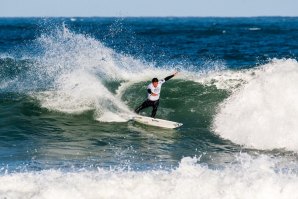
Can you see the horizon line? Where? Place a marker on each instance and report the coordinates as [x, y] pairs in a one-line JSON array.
[[210, 16]]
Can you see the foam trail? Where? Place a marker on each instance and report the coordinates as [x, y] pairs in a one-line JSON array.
[[78, 74], [247, 178], [81, 92], [263, 114]]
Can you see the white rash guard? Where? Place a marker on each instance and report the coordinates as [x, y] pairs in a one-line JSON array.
[[155, 90]]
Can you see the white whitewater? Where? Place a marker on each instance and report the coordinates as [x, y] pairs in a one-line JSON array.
[[263, 113]]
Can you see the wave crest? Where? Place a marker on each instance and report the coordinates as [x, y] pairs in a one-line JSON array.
[[263, 113]]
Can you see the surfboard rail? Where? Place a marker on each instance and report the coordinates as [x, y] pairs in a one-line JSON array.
[[156, 122]]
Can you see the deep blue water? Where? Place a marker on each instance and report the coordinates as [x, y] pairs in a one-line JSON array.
[[236, 41]]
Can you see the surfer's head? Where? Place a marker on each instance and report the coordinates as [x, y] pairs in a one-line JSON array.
[[155, 82]]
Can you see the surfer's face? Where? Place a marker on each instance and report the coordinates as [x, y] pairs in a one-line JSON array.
[[155, 84]]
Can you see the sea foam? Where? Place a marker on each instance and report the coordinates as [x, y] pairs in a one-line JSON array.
[[247, 177], [263, 113]]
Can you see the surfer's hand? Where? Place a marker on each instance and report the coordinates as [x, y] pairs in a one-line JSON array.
[[175, 73], [154, 94]]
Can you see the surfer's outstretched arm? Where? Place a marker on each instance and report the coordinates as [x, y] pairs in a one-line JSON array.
[[169, 77]]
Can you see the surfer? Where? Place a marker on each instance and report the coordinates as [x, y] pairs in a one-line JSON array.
[[153, 92]]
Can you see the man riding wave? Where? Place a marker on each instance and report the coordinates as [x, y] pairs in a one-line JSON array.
[[153, 93]]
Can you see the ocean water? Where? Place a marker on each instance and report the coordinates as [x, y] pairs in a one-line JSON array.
[[68, 86]]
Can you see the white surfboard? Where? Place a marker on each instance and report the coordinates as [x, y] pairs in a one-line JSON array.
[[156, 122]]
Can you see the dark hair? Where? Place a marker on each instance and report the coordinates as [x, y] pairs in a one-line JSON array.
[[154, 80]]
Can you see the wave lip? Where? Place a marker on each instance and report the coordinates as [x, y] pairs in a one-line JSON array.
[[263, 113]]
